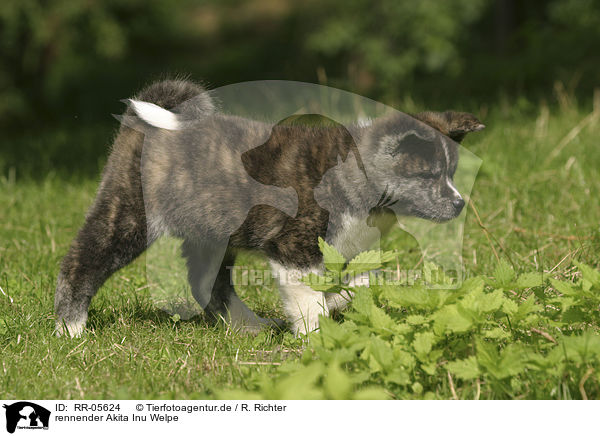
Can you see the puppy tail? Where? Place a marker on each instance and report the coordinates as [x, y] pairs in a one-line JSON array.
[[155, 115], [167, 103]]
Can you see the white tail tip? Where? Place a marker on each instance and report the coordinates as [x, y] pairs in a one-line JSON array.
[[155, 115]]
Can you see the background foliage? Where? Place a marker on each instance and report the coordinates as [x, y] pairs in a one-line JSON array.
[[78, 58]]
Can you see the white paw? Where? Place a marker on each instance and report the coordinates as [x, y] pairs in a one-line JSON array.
[[72, 329]]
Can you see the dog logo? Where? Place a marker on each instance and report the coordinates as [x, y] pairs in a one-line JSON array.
[[26, 415]]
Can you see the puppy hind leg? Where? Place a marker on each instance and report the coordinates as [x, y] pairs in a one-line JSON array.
[[113, 235]]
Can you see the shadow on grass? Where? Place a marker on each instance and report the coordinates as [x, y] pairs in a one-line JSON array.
[[102, 316]]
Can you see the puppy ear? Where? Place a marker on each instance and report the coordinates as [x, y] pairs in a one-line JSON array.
[[456, 125], [461, 123]]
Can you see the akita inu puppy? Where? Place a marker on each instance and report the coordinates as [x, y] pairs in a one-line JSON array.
[[167, 185]]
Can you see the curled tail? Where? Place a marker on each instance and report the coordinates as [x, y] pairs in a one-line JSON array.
[[164, 104]]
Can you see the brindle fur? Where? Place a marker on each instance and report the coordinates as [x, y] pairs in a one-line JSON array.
[[116, 229]]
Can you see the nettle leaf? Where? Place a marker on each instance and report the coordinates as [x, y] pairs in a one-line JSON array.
[[582, 349], [398, 376], [423, 343], [381, 354], [465, 369], [509, 307], [404, 358], [381, 321], [492, 301], [332, 258], [539, 362], [527, 307], [319, 283], [417, 320], [361, 313], [497, 333], [371, 393], [509, 362], [487, 356], [401, 296], [417, 388], [362, 301], [565, 288], [472, 284], [415, 296], [565, 303], [365, 261], [481, 302], [299, 383], [429, 368], [359, 377], [449, 318], [504, 273], [388, 256], [333, 332], [370, 314], [589, 274], [529, 280], [573, 315], [337, 383], [402, 328]]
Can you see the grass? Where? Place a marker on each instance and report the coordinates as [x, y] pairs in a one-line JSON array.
[[537, 203]]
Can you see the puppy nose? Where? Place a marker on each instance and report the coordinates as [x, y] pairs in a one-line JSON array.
[[458, 204]]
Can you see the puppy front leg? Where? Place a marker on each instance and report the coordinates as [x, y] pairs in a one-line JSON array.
[[338, 302], [302, 305]]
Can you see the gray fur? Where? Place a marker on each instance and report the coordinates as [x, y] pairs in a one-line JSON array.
[[210, 185]]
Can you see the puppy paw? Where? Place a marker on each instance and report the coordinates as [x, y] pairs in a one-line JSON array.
[[70, 329]]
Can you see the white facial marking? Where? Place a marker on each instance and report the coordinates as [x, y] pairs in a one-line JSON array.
[[448, 181], [446, 153], [451, 186], [155, 115]]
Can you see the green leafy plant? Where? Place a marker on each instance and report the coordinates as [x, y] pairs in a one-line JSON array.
[[508, 336]]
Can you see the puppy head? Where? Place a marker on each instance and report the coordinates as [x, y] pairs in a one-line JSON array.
[[416, 168]]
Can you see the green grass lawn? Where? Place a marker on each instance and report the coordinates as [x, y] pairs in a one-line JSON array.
[[537, 197]]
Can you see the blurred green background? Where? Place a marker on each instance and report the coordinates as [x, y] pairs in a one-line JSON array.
[[65, 64]]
